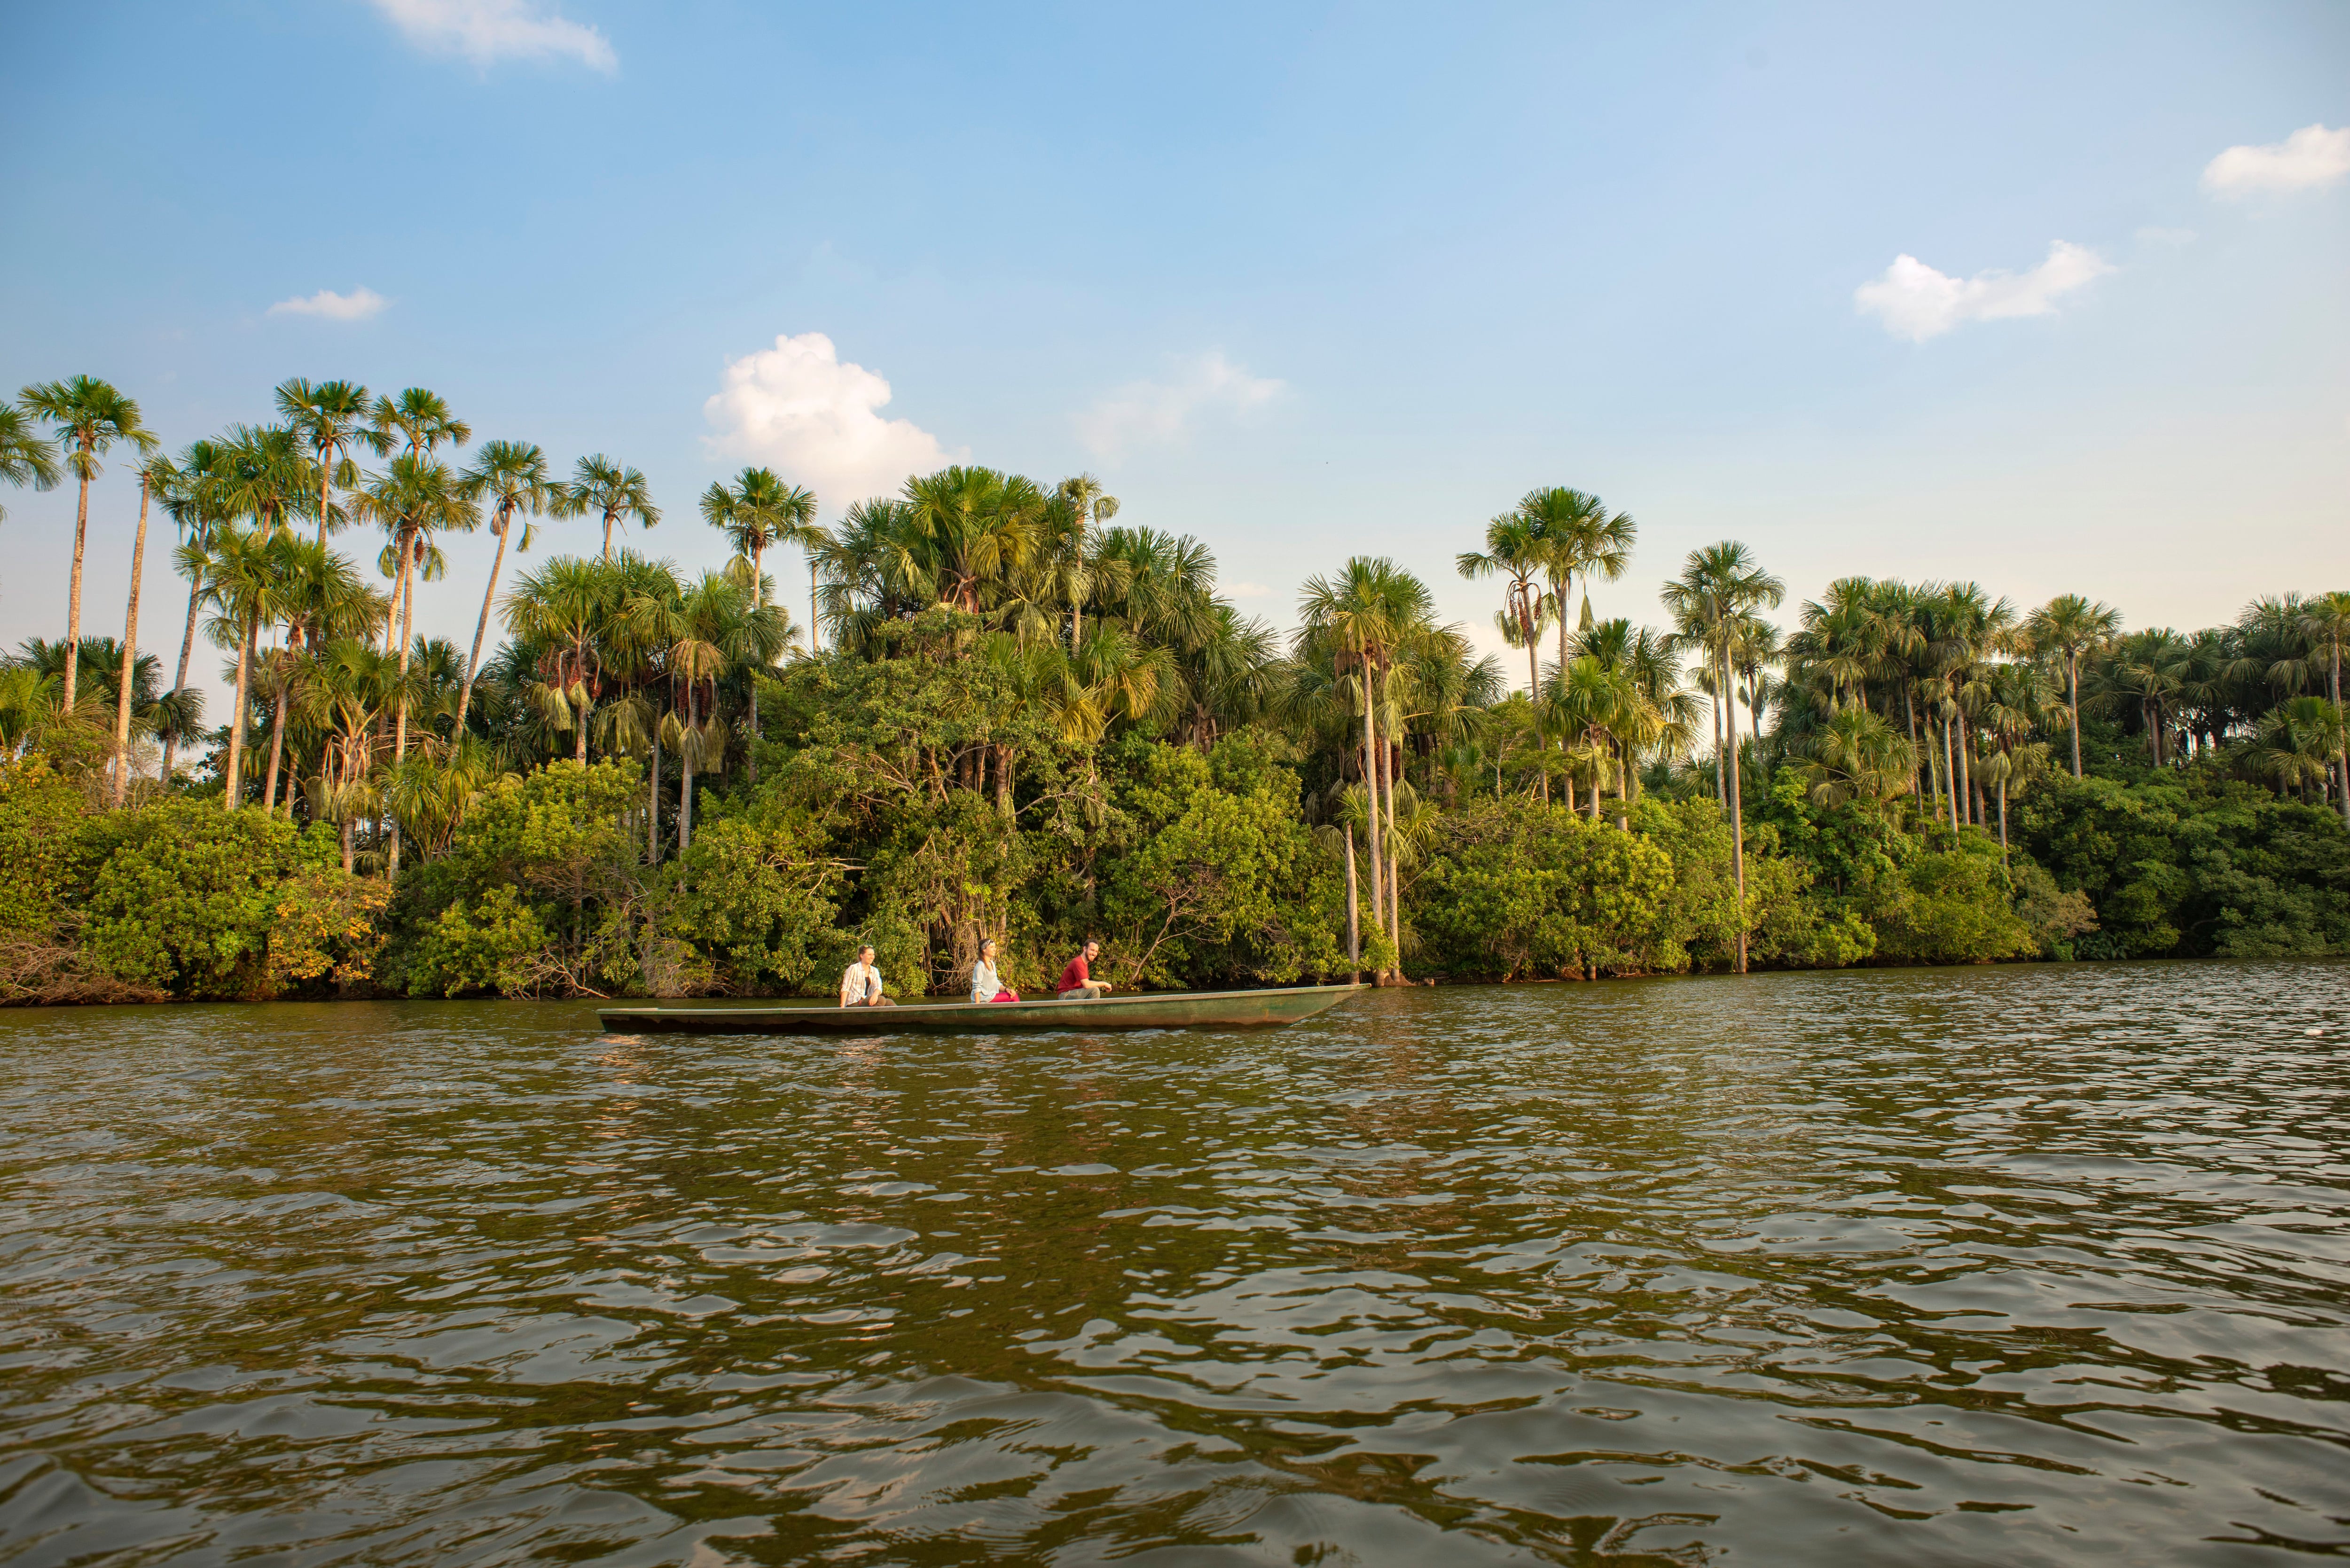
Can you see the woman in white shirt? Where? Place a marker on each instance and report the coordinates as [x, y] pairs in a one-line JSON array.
[[860, 983], [986, 985]]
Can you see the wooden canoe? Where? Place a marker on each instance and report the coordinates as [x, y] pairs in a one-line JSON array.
[[1173, 1010]]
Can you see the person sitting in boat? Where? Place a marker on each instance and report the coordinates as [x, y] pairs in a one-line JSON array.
[[986, 985], [860, 982], [1078, 981]]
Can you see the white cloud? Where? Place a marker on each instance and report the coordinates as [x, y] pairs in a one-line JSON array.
[[2154, 234], [1145, 413], [2310, 156], [817, 420], [1246, 591], [487, 30], [1916, 302], [357, 306]]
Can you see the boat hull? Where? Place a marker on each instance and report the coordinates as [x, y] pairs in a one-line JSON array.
[[1184, 1009]]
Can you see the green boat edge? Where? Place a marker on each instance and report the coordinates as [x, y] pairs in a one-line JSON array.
[[1170, 1010]]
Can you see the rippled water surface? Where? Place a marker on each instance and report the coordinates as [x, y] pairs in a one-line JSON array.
[[2040, 1265]]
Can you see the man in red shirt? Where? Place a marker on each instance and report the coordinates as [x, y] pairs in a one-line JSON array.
[[1077, 981]]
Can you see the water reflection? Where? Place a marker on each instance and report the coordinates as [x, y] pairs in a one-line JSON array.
[[2019, 1266]]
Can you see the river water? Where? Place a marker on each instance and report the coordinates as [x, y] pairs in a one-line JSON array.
[[2032, 1265]]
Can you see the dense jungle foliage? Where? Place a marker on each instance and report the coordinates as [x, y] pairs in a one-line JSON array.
[[1025, 721]]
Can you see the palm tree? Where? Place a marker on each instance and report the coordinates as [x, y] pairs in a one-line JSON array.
[[414, 499], [25, 457], [614, 494], [2070, 626], [1579, 537], [246, 574], [760, 509], [153, 470], [192, 497], [1514, 549], [568, 609], [975, 527], [1718, 592], [1355, 622], [1089, 503], [2327, 621], [331, 417], [511, 476], [90, 417], [423, 421]]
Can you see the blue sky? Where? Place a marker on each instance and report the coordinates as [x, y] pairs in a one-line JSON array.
[[1303, 282]]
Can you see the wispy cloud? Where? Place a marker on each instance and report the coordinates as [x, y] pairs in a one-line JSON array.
[[1162, 413], [1916, 302], [357, 306], [487, 30], [818, 418], [2309, 158]]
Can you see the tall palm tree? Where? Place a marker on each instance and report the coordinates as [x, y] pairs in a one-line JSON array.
[[89, 417], [2069, 625], [1718, 592], [757, 511], [153, 470], [1357, 621], [1580, 538], [511, 477], [332, 419], [415, 499], [25, 457], [1514, 549], [1090, 504], [248, 572], [192, 496], [422, 421], [613, 492], [975, 527]]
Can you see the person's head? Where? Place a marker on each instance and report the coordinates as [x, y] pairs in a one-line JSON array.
[[1093, 948], [987, 950], [865, 953]]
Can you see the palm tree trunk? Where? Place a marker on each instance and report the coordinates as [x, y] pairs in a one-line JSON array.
[[2003, 819], [187, 651], [653, 805], [1966, 772], [1371, 791], [687, 765], [73, 604], [2073, 673], [2341, 754], [405, 586], [235, 776], [129, 656], [1387, 840], [758, 602], [1737, 823], [276, 746], [1950, 776], [481, 630], [816, 623], [607, 536], [325, 473], [1353, 918]]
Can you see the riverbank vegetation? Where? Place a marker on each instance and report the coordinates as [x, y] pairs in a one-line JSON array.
[[1008, 712]]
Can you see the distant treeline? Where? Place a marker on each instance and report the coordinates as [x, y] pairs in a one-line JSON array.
[[1027, 720]]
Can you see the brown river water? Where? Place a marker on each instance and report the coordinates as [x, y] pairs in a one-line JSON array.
[[2028, 1265]]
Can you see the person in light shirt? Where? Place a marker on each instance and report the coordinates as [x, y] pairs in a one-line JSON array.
[[860, 983], [986, 985]]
